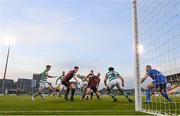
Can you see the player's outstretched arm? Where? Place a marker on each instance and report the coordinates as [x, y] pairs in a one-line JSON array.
[[52, 76], [105, 81], [122, 80], [99, 82], [145, 77], [86, 78], [80, 76], [57, 80], [76, 80]]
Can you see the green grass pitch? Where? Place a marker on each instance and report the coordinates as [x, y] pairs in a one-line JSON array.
[[22, 105]]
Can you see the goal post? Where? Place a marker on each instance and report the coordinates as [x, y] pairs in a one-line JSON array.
[[156, 41], [138, 105]]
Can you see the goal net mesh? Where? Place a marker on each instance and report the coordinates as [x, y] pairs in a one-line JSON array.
[[159, 46]]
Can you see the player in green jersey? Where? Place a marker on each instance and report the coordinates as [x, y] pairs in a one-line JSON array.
[[84, 84], [63, 87], [43, 81], [114, 78], [61, 77]]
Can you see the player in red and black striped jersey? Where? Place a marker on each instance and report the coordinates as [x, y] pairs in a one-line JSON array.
[[90, 75], [69, 85], [93, 85]]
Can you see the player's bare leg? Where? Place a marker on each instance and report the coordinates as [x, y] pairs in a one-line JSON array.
[[84, 92], [39, 93], [63, 89], [110, 93], [54, 93], [98, 95], [58, 94], [88, 93], [72, 87], [123, 92], [83, 96], [34, 96], [66, 94], [91, 94]]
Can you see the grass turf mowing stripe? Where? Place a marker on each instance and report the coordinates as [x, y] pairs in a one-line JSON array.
[[22, 105]]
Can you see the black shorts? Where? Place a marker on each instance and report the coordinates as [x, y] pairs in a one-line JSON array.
[[57, 90], [66, 83], [94, 89], [161, 86]]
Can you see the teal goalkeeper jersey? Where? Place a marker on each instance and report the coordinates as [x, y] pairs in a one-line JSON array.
[[44, 76], [112, 75]]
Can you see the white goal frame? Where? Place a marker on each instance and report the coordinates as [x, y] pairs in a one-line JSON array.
[[136, 51], [138, 105]]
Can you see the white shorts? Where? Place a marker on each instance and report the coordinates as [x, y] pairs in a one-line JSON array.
[[114, 83], [42, 87], [84, 84]]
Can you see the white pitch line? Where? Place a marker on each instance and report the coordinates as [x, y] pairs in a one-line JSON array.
[[72, 111]]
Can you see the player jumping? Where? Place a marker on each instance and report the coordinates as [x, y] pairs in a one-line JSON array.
[[69, 85], [43, 81], [159, 82], [113, 78]]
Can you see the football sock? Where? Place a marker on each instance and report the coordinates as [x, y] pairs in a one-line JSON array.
[[91, 94], [125, 94], [67, 92], [83, 96], [98, 96], [72, 93], [165, 95], [148, 95], [111, 94]]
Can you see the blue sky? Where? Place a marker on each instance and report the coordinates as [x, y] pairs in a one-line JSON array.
[[91, 34]]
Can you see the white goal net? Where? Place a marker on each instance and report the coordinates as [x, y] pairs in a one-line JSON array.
[[157, 43]]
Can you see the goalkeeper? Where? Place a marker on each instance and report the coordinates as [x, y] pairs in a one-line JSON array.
[[159, 82]]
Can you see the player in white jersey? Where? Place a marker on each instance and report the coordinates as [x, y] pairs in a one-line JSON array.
[[43, 81], [114, 78], [61, 86], [60, 77], [84, 82]]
